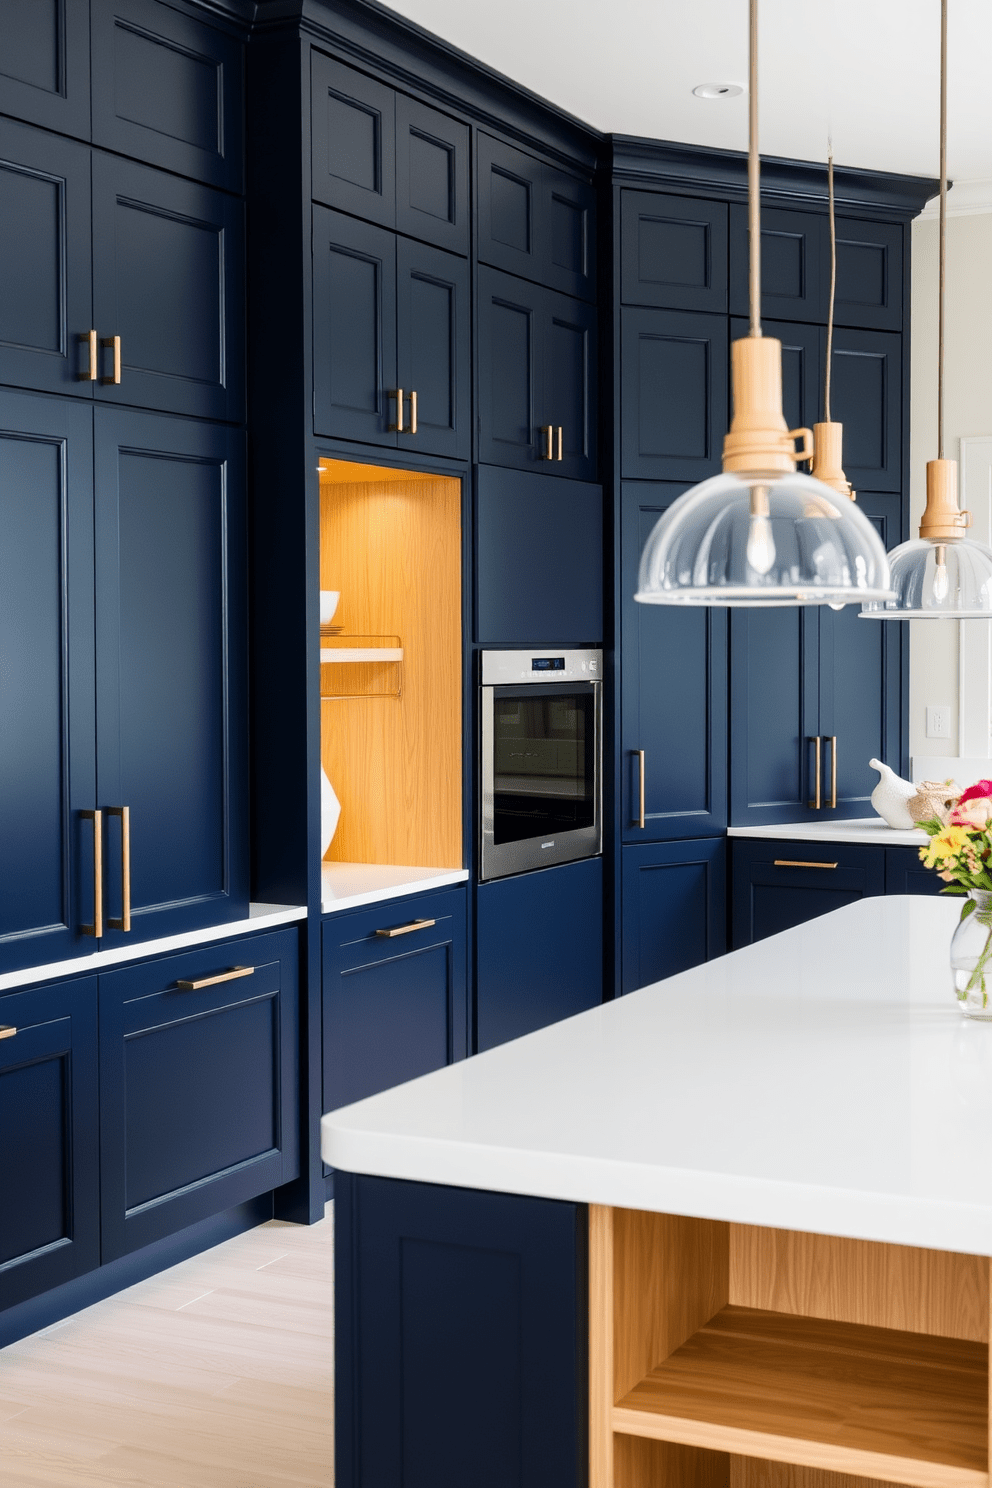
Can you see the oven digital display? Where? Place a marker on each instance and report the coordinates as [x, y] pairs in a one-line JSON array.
[[547, 664]]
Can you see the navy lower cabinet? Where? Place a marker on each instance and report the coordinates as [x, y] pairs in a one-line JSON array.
[[778, 884], [394, 992], [674, 908], [199, 1086], [905, 873], [539, 949], [460, 1338], [49, 1154]]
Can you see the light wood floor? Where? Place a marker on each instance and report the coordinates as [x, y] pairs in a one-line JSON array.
[[215, 1374]]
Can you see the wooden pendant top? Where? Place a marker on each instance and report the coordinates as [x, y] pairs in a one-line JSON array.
[[828, 467], [943, 521], [759, 441]]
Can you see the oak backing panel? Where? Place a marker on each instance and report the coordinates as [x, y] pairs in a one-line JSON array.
[[860, 1281], [641, 1463], [756, 1472]]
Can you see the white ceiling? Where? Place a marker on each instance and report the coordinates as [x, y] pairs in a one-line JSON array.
[[867, 68]]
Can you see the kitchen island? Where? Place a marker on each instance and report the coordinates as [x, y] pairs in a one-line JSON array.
[[732, 1229]]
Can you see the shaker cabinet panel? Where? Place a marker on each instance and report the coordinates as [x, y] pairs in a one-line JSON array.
[[45, 64], [535, 220], [674, 911], [352, 141], [673, 251], [869, 274], [673, 394], [905, 873], [433, 340], [795, 264], [568, 343], [354, 329], [46, 297], [568, 227], [867, 400], [432, 201], [774, 703], [778, 884]]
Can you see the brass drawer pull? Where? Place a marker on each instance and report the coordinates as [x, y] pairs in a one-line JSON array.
[[397, 428], [548, 436], [96, 929], [90, 375], [114, 343], [797, 863], [640, 787], [124, 923], [405, 929], [224, 976], [413, 412], [7, 1030]]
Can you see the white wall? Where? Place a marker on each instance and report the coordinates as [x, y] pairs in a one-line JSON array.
[[935, 645]]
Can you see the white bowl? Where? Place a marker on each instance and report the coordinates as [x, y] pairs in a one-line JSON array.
[[328, 604]]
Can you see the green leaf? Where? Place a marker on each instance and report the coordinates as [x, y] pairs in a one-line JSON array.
[[955, 889], [968, 908]]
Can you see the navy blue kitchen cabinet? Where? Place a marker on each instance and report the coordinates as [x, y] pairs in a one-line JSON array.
[[778, 884], [387, 158], [521, 599], [869, 274], [539, 949], [394, 989], [46, 64], [535, 220], [674, 908], [674, 696], [537, 378], [383, 305], [49, 1156], [673, 251], [905, 873], [460, 1337], [199, 1085], [795, 275], [673, 393], [867, 399]]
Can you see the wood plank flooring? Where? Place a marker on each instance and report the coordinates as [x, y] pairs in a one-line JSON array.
[[215, 1374]]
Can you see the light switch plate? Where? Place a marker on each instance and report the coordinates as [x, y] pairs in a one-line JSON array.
[[939, 721]]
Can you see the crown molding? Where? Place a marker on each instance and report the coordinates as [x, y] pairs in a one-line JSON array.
[[964, 199]]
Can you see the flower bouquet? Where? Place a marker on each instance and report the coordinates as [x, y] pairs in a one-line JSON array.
[[960, 849]]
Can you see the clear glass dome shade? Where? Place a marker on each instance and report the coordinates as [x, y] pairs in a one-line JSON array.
[[937, 581], [754, 539]]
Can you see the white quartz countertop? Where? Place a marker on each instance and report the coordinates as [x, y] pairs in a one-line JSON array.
[[348, 885], [821, 1080], [872, 831]]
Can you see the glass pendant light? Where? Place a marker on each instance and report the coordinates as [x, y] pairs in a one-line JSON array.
[[942, 575], [760, 533]]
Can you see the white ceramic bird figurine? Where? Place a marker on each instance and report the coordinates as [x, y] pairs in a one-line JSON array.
[[891, 795]]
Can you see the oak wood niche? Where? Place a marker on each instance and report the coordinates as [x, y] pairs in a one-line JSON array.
[[731, 1356]]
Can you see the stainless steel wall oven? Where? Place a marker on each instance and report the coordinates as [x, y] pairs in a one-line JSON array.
[[542, 750]]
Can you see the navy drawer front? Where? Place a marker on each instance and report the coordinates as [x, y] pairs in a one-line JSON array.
[[779, 884], [354, 935]]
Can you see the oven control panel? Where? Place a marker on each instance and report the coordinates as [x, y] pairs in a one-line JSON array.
[[500, 668]]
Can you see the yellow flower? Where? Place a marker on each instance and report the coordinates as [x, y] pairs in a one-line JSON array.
[[946, 844]]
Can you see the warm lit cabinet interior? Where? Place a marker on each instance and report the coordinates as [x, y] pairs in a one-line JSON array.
[[391, 658]]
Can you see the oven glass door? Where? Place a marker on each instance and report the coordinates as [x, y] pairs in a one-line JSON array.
[[544, 761]]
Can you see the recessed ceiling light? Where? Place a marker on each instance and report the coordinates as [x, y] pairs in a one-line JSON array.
[[718, 90]]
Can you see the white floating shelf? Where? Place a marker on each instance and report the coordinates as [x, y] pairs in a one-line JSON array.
[[360, 653]]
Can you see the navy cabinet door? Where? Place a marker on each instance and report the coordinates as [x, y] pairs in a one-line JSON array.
[[869, 274], [352, 141], [674, 908], [168, 278], [46, 296], [49, 1157], [510, 367], [431, 176], [354, 329], [198, 1086], [47, 750], [673, 251], [460, 1340], [168, 90], [802, 368], [673, 394], [45, 65], [535, 220], [568, 374], [867, 400], [673, 696], [795, 264], [776, 885], [905, 874], [171, 690], [433, 340], [521, 598], [539, 949], [774, 708], [394, 1004], [568, 227]]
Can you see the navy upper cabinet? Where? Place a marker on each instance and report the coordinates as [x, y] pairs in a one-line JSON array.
[[171, 646], [45, 63], [46, 296], [382, 156], [673, 393], [168, 280], [537, 378], [535, 220], [867, 400], [673, 251], [167, 90], [674, 701], [433, 343], [792, 266], [674, 908], [869, 274]]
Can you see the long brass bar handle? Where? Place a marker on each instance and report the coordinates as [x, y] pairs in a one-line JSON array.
[[817, 803], [91, 374], [124, 923], [833, 769], [113, 342], [96, 929], [797, 863], [224, 976], [397, 428], [405, 929], [7, 1030], [640, 787], [561, 440], [547, 434], [413, 412]]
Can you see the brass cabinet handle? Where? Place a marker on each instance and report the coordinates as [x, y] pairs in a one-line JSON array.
[[832, 741], [397, 428], [115, 343], [124, 923], [413, 412], [96, 929], [797, 863], [7, 1030], [223, 976], [640, 787], [561, 439], [91, 374], [817, 803], [548, 435], [406, 929]]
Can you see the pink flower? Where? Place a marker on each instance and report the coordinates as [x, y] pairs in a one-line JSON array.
[[974, 812], [980, 788], [947, 877]]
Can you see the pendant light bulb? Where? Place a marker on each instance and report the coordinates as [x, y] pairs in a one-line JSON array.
[[940, 582], [760, 542]]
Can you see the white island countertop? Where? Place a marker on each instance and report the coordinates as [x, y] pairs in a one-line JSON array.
[[871, 831], [821, 1080]]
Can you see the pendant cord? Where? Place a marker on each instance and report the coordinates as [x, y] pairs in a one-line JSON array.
[[833, 285], [754, 174], [943, 228]]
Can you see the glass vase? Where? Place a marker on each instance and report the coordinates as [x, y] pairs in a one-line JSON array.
[[971, 958]]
